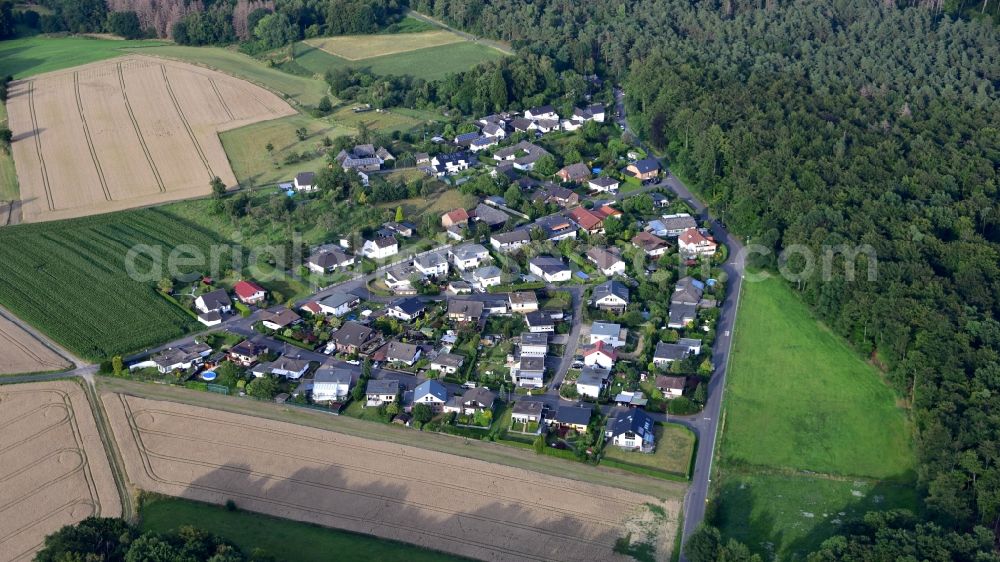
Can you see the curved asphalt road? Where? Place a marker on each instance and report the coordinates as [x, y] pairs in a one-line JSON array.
[[706, 424]]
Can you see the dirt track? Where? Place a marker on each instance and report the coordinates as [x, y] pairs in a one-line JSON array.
[[440, 501], [126, 132], [53, 468], [20, 352]]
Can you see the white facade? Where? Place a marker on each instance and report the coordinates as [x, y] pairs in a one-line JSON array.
[[375, 251]]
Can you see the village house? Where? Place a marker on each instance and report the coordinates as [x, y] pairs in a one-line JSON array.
[[331, 384], [691, 242], [458, 217], [447, 363], [449, 164], [573, 417], [557, 195], [541, 112], [469, 256], [671, 387], [246, 353], [529, 372], [465, 139], [556, 227], [399, 279], [249, 292], [431, 264], [350, 337], [404, 229], [611, 296], [592, 381], [180, 358], [304, 181], [279, 319], [399, 352], [646, 169], [674, 225], [329, 259], [631, 399], [604, 184], [405, 309], [607, 332], [458, 287], [523, 302], [288, 367], [632, 430], [486, 277], [667, 353], [479, 399], [524, 155], [684, 302], [601, 355], [534, 344], [525, 412], [214, 301], [432, 393], [592, 222], [381, 391], [338, 304], [578, 172], [509, 241], [483, 142], [651, 245], [540, 322], [493, 218], [608, 261], [549, 268], [465, 311], [380, 248], [364, 158]]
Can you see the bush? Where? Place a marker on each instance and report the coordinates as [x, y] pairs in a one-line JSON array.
[[230, 505], [682, 406]]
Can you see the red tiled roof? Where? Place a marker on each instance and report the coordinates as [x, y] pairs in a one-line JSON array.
[[692, 236], [601, 347], [312, 307], [247, 289], [585, 218], [457, 215]]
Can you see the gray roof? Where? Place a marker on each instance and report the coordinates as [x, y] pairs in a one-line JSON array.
[[690, 342], [490, 215], [305, 178], [329, 373], [329, 257], [520, 235], [465, 307], [352, 333], [532, 338], [524, 152], [432, 387], [549, 264], [541, 109], [532, 363], [338, 299], [593, 377], [216, 299], [679, 222], [605, 329], [480, 394], [400, 351], [539, 318], [647, 165], [430, 259], [610, 288], [528, 407], [487, 272], [603, 258], [449, 360], [687, 291], [577, 171], [670, 351], [382, 386], [408, 305], [469, 251], [576, 415], [604, 181], [681, 311]]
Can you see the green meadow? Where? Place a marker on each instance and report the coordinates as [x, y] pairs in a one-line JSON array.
[[430, 63]]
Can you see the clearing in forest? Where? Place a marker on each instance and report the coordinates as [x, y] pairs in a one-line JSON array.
[[53, 467], [439, 501], [126, 132], [359, 47]]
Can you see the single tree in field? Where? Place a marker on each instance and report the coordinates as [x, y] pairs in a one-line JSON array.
[[117, 365], [324, 105], [218, 188], [301, 133], [269, 147], [6, 136]]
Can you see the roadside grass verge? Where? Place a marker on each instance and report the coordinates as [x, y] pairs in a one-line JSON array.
[[280, 538]]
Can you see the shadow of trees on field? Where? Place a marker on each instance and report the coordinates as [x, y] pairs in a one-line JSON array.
[[333, 500]]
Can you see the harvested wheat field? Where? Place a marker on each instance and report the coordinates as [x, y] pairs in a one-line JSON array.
[[126, 132], [440, 501], [360, 47], [23, 353], [53, 468]]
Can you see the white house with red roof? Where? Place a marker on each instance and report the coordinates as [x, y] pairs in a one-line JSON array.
[[692, 242], [600, 354], [249, 292]]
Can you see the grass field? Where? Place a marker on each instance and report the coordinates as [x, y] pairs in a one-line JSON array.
[[436, 204], [385, 121], [791, 516], [281, 538], [34, 55], [674, 448], [253, 165], [811, 434], [8, 175], [69, 280], [429, 63], [359, 47], [799, 398]]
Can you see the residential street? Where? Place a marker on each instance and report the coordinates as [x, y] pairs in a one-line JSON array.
[[706, 424]]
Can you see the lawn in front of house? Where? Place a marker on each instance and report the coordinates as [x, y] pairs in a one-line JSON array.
[[674, 449]]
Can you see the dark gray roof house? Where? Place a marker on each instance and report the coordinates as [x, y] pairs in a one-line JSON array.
[[631, 421], [494, 218], [382, 386], [573, 415], [612, 287]]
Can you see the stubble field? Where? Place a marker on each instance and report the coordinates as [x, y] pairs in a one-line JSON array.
[[125, 133], [53, 468], [394, 491], [23, 353]]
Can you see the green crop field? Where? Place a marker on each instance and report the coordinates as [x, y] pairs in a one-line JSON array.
[[34, 55], [810, 430], [430, 63], [69, 280], [279, 538], [254, 165]]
